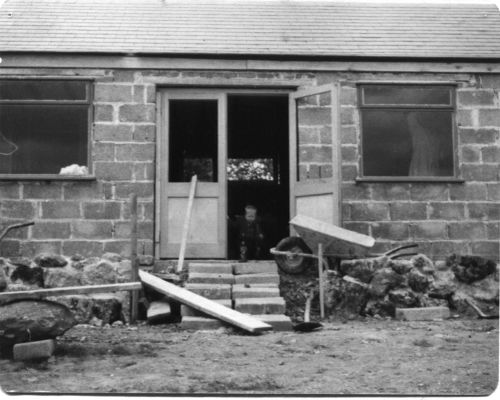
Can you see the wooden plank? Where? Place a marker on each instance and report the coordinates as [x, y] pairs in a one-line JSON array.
[[187, 221], [203, 304], [321, 279], [134, 296], [41, 293]]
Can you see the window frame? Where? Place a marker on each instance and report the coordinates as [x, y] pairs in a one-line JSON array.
[[89, 101], [455, 178]]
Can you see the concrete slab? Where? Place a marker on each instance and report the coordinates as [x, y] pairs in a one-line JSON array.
[[261, 267], [189, 311], [422, 313], [210, 290], [211, 268], [279, 322], [257, 278], [263, 305], [34, 350], [242, 292], [200, 323], [196, 277]]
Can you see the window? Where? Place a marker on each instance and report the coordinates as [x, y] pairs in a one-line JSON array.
[[407, 130], [250, 169], [44, 126]]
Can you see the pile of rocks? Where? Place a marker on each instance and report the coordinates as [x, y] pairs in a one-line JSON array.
[[55, 271], [389, 284]]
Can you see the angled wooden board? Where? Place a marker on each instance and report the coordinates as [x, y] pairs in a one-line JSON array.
[[203, 304]]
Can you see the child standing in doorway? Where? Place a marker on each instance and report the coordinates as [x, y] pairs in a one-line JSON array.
[[250, 236]]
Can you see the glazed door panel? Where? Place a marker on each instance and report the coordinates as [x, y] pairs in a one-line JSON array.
[[193, 143], [314, 154]]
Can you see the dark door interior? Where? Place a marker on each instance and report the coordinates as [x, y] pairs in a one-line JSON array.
[[257, 166]]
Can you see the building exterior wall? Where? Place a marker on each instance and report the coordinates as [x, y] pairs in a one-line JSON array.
[[92, 217]]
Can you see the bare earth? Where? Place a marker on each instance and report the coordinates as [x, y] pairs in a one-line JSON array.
[[454, 357]]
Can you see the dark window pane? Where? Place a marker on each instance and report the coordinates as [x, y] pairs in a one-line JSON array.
[[406, 95], [193, 140], [250, 169], [42, 139], [407, 143], [43, 90]]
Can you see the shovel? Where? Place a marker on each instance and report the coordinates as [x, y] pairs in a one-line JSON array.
[[307, 326]]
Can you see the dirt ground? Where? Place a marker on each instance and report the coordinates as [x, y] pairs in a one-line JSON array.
[[452, 357]]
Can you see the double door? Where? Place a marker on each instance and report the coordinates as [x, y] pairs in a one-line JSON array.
[[192, 140]]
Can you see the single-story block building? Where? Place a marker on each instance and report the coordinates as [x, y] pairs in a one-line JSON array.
[[380, 118]]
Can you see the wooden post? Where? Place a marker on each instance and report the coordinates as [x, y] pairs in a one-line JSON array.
[[134, 294], [321, 288], [187, 221]]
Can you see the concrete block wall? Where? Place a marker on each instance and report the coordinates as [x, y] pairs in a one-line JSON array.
[[441, 217], [93, 217]]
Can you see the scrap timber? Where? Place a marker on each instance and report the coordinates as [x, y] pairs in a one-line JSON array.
[[204, 305], [41, 293]]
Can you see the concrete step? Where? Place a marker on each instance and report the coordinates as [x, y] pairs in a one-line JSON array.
[[196, 277], [279, 322], [272, 279], [201, 323], [211, 268], [257, 267], [210, 290], [242, 292], [192, 312], [262, 305]]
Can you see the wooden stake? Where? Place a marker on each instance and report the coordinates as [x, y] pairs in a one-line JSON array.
[[134, 294], [187, 221], [320, 273]]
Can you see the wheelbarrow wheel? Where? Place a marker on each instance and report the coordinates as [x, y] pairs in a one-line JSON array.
[[293, 263]]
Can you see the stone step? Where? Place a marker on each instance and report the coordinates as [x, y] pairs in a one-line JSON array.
[[262, 305], [193, 312], [196, 277], [242, 292], [201, 323], [211, 268], [210, 290], [262, 267], [279, 322], [272, 279]]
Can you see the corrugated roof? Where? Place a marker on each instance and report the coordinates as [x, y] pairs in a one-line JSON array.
[[265, 28]]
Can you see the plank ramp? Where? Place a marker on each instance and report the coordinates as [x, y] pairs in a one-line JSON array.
[[203, 304]]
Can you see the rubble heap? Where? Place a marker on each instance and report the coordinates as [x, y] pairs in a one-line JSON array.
[[385, 285], [55, 271]]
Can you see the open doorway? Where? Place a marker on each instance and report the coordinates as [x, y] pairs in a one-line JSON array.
[[258, 165]]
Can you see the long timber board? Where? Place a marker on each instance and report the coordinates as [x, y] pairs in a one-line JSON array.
[[203, 304]]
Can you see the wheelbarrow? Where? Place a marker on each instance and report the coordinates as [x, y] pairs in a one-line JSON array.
[[317, 240]]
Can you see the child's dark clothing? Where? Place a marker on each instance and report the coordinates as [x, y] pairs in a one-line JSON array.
[[250, 238]]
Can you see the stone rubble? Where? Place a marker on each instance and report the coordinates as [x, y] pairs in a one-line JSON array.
[[55, 271]]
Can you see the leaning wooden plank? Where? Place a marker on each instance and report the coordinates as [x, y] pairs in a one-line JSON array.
[[203, 304], [40, 293], [187, 222]]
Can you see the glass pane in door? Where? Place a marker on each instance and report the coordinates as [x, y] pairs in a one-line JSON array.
[[314, 136], [193, 140]]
